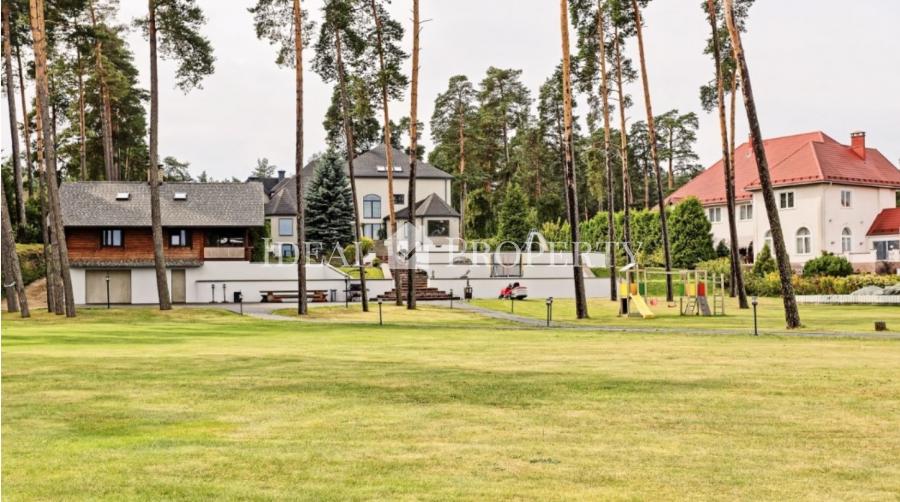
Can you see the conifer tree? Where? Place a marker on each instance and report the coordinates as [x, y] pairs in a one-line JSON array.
[[513, 224], [691, 238], [329, 203]]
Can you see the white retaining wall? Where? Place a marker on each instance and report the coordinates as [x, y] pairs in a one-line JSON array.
[[595, 287]]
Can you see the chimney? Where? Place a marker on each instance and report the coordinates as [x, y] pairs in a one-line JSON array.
[[858, 143], [281, 175]]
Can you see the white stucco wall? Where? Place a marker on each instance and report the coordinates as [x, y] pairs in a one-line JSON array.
[[538, 288], [745, 228]]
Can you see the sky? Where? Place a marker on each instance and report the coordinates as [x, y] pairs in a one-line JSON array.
[[828, 65]]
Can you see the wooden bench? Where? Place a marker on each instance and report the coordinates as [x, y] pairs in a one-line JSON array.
[[279, 295]]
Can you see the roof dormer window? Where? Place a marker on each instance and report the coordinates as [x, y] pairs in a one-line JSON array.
[[123, 196], [180, 196], [381, 169]]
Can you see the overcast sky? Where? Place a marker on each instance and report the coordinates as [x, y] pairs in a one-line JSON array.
[[828, 65]]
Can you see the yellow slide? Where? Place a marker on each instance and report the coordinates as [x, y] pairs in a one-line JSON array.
[[637, 302]]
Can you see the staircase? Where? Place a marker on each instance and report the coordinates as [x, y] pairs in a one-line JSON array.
[[420, 285]]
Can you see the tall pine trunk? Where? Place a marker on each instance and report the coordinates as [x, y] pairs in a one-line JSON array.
[[13, 126], [654, 154], [623, 146], [571, 187], [42, 90], [671, 159], [388, 149], [26, 127], [464, 187], [607, 150], [12, 272], [159, 258], [302, 300], [413, 148], [791, 313], [82, 129], [112, 173], [737, 275], [351, 152]]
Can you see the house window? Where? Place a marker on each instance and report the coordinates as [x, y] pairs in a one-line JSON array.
[[767, 239], [438, 228], [111, 238], [846, 240], [804, 241], [285, 226], [399, 199], [746, 212], [846, 198], [786, 200], [179, 238], [371, 206], [715, 214], [287, 251], [226, 238], [372, 230]]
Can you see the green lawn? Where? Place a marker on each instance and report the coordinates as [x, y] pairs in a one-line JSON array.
[[371, 272], [815, 318], [134, 404]]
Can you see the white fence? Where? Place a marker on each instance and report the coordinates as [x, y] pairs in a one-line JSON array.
[[849, 299]]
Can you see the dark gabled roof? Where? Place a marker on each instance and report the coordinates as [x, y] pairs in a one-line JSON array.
[[367, 164], [431, 206], [283, 199], [94, 204], [269, 182]]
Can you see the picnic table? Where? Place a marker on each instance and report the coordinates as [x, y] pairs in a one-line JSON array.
[[279, 295]]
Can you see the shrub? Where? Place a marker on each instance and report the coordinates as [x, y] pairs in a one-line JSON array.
[[828, 265], [31, 261], [764, 263], [722, 249], [690, 234], [770, 284], [513, 222]]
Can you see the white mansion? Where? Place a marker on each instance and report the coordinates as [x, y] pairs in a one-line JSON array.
[[832, 197]]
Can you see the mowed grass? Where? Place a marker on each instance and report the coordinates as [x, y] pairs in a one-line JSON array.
[[425, 315], [134, 404], [770, 315]]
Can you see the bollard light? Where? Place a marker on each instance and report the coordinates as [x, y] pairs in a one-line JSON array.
[[224, 293], [213, 296], [380, 318], [107, 290], [512, 304], [346, 292], [755, 302], [451, 299], [549, 310]]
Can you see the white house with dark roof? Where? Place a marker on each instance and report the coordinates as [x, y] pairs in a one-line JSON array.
[[371, 174]]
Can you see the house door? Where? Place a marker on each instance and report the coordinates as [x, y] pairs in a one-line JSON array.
[[96, 290], [178, 286]]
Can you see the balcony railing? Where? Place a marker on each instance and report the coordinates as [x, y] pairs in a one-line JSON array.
[[224, 253]]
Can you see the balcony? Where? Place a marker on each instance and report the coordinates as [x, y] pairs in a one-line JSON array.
[[224, 253]]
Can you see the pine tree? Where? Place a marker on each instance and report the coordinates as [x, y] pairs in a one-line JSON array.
[[329, 204], [691, 238]]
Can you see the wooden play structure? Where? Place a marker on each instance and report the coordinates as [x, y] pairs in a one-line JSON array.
[[694, 289]]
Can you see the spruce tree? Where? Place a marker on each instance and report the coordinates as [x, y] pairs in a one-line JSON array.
[[514, 224], [691, 237], [329, 205]]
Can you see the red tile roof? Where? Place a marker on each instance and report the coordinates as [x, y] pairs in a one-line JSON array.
[[886, 223], [800, 159]]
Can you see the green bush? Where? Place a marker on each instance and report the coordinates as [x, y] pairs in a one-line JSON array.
[[722, 249], [828, 265], [31, 261], [770, 285], [690, 234], [765, 263]]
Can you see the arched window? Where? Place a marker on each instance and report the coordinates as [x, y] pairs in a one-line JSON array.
[[371, 206], [846, 240], [804, 241], [767, 240]]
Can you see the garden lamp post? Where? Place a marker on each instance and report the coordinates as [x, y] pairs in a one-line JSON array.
[[451, 299], [512, 304], [213, 296], [755, 302], [107, 290], [380, 318], [346, 292], [549, 310]]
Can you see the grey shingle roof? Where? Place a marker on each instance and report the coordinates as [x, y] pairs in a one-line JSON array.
[[94, 204], [283, 200], [431, 206]]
